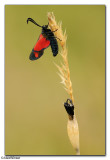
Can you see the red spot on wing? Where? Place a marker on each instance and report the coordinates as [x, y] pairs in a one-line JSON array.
[[36, 54], [41, 43]]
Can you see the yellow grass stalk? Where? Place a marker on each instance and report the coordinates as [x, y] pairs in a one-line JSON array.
[[64, 73]]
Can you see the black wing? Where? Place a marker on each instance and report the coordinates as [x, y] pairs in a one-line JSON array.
[[35, 54], [54, 46]]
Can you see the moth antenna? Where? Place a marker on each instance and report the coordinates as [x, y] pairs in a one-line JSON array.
[[31, 20]]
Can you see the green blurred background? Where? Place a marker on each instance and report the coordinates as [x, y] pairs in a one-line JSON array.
[[35, 118]]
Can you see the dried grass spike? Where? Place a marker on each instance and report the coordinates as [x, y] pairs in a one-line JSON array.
[[72, 127]]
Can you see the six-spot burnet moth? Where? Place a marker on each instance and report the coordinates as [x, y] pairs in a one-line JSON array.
[[45, 40]]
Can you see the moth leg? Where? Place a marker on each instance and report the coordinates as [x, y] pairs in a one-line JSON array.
[[55, 37], [58, 38], [55, 30]]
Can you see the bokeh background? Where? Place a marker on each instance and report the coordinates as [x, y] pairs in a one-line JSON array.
[[35, 118]]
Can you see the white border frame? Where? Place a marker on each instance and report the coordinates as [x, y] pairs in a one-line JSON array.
[[2, 80]]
